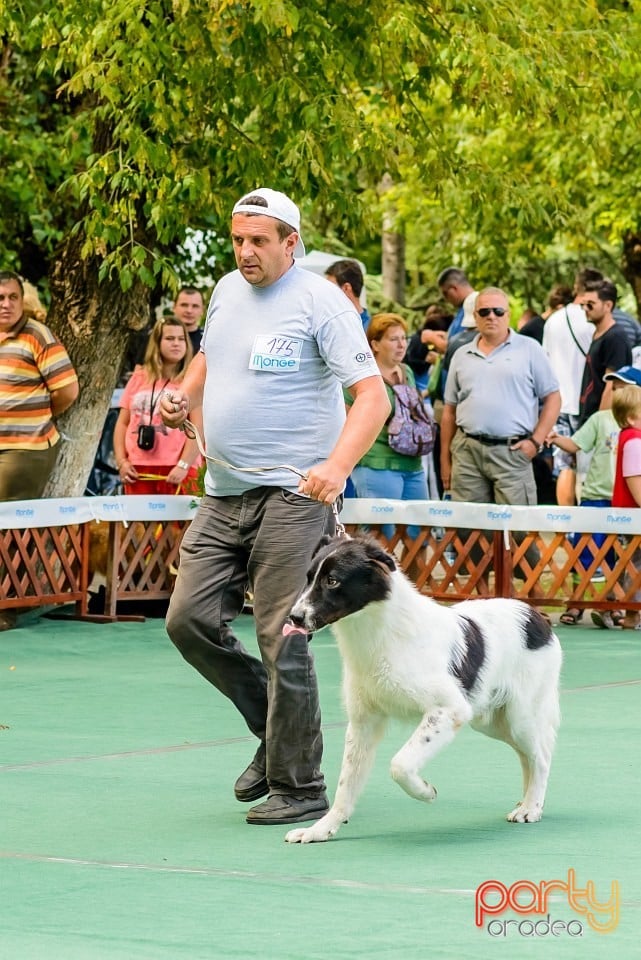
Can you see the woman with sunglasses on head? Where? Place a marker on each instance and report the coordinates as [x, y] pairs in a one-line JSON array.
[[383, 473], [501, 401], [152, 458]]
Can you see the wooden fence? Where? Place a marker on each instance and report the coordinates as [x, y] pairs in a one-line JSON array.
[[49, 565]]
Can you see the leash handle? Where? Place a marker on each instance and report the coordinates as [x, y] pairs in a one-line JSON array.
[[191, 431]]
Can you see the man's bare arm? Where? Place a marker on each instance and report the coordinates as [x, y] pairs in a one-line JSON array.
[[174, 409], [365, 419], [448, 429]]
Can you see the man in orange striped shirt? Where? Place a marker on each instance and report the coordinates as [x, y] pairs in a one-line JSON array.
[[37, 384]]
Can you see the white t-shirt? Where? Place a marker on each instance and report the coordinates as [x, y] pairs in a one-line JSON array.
[[277, 359], [566, 359]]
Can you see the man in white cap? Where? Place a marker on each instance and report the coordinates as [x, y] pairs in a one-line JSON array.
[[278, 345]]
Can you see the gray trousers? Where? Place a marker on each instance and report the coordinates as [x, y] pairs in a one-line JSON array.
[[484, 474], [264, 540]]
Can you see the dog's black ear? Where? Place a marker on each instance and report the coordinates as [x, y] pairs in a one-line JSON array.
[[376, 553], [324, 540]]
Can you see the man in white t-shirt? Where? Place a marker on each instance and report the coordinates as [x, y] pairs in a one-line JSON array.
[[279, 344], [567, 335]]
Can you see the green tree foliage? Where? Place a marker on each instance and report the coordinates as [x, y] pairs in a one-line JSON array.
[[536, 192], [130, 119]]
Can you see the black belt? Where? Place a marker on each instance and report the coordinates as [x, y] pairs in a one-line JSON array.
[[497, 441]]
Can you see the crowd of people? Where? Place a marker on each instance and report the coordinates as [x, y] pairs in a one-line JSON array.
[[570, 352], [517, 408]]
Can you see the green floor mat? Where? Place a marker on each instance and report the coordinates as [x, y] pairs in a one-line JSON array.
[[121, 837]]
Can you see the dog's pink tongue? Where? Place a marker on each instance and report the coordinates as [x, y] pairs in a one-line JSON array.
[[289, 628]]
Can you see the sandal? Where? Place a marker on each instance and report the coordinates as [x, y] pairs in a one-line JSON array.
[[571, 617], [629, 622]]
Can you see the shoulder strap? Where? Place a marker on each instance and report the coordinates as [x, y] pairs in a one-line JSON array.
[[153, 403], [402, 381], [567, 317]]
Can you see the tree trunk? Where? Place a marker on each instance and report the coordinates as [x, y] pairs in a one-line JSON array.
[[94, 321], [632, 264], [393, 265], [393, 250]]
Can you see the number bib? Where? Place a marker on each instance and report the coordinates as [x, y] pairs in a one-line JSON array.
[[276, 354]]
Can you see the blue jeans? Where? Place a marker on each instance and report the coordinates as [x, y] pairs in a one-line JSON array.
[[587, 555], [391, 485]]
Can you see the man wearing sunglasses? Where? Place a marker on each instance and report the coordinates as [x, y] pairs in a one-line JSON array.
[[609, 349], [501, 399]]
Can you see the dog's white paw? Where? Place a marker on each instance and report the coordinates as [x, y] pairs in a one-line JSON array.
[[429, 792], [310, 834], [412, 784], [524, 814]]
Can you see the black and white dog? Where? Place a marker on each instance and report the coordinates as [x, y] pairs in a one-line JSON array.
[[492, 663]]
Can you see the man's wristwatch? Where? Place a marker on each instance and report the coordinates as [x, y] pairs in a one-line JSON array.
[[539, 446], [183, 465]]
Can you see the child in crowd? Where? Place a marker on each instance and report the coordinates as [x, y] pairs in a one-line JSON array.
[[598, 436], [626, 407], [151, 457]]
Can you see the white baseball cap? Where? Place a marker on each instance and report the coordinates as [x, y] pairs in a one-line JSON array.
[[279, 206], [468, 310]]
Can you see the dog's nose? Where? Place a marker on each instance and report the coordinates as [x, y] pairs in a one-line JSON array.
[[297, 619]]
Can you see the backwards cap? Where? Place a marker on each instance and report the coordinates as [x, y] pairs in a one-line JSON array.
[[279, 207]]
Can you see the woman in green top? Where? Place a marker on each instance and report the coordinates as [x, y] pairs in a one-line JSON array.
[[382, 473]]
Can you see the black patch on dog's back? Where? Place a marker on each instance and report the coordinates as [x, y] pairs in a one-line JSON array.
[[468, 669], [538, 631]]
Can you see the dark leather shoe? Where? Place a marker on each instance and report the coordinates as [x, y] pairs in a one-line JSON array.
[[280, 808], [252, 783]]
